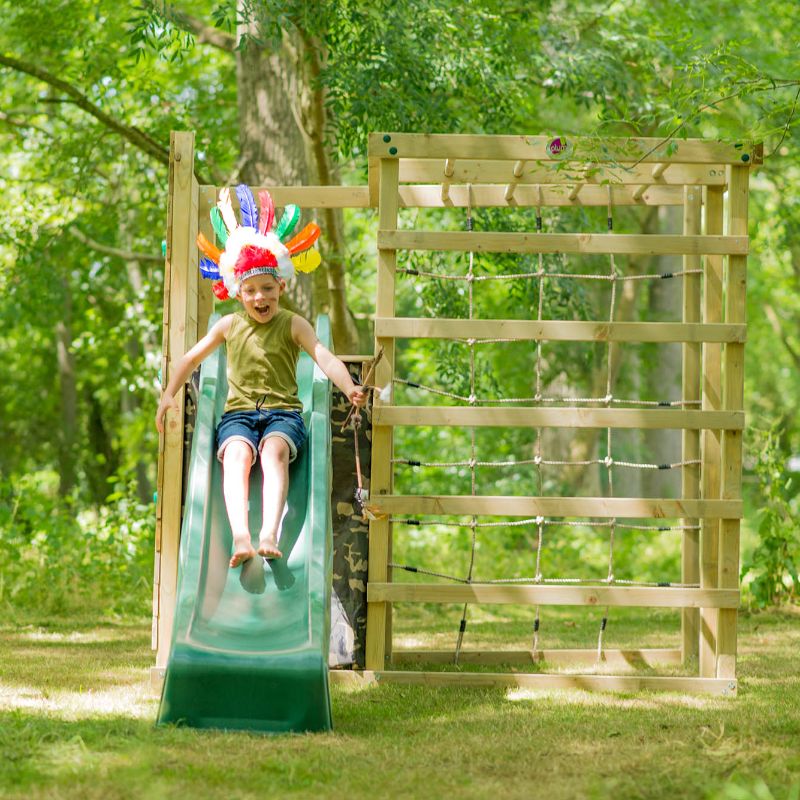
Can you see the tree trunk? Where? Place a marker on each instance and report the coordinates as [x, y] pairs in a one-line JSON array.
[[69, 398]]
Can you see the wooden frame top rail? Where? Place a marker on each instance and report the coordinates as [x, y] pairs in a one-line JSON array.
[[557, 330], [562, 417], [560, 148], [506, 506], [535, 594], [549, 175], [597, 243]]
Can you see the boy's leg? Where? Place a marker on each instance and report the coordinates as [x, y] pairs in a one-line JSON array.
[[236, 462], [275, 467]]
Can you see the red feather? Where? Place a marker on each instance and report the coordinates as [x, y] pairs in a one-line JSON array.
[[267, 216], [221, 293], [252, 257], [208, 249], [304, 239]]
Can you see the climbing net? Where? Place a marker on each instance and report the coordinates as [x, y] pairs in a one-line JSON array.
[[540, 524]]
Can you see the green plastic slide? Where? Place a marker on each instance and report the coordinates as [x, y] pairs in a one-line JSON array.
[[250, 645]]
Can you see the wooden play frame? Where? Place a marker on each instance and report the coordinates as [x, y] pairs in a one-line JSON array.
[[416, 170]]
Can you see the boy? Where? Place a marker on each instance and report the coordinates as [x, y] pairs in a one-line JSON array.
[[262, 416]]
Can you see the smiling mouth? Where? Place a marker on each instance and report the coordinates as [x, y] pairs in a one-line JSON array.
[[262, 309]]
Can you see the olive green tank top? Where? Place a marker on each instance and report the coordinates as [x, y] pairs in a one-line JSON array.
[[262, 363]]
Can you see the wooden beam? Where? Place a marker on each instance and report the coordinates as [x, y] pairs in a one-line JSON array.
[[541, 682], [644, 418], [691, 390], [617, 243], [509, 506], [733, 397], [560, 181], [584, 656], [494, 594], [380, 530], [179, 334], [539, 148], [557, 330]]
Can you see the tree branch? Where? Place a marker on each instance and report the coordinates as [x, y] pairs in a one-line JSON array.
[[126, 255], [203, 34], [775, 322], [130, 133]]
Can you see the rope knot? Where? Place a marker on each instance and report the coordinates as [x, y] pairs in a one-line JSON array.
[[608, 461], [470, 278], [471, 342], [539, 520], [608, 398], [472, 399], [537, 461]]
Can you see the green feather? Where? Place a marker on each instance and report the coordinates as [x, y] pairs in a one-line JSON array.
[[290, 218], [219, 226]]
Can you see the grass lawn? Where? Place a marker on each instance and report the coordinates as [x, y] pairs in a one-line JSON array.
[[77, 713]]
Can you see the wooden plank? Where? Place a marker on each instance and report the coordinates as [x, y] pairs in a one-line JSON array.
[[489, 195], [179, 336], [711, 439], [558, 330], [733, 398], [617, 243], [507, 506], [493, 593], [584, 656], [644, 418], [541, 682], [205, 296], [691, 390], [380, 530], [316, 196], [539, 148], [557, 182]]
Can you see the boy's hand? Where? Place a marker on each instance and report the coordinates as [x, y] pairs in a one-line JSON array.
[[167, 402], [358, 397]]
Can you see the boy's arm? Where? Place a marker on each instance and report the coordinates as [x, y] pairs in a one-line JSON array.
[[188, 363], [304, 336]]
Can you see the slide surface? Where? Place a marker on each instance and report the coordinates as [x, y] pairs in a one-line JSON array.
[[250, 645]]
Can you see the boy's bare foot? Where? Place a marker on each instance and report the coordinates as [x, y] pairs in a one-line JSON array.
[[242, 551], [269, 548]]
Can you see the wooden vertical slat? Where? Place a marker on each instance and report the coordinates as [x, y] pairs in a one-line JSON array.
[[712, 400], [380, 530], [691, 390], [733, 398], [180, 333], [205, 297]]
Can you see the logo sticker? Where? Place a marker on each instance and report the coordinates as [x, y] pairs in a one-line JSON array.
[[557, 146]]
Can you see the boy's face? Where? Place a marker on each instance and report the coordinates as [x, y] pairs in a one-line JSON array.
[[260, 295]]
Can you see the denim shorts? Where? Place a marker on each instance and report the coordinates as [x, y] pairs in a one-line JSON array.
[[255, 427]]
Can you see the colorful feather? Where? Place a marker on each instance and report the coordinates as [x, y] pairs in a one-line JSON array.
[[247, 206], [308, 261], [226, 209], [220, 292], [290, 218], [304, 239], [208, 269], [208, 249], [267, 212], [219, 226]]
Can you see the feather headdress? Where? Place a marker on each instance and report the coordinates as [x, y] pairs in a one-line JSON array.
[[253, 248]]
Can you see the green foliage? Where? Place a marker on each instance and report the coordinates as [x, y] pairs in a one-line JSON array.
[[771, 571]]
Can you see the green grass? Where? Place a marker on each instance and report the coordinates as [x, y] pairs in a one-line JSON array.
[[76, 720]]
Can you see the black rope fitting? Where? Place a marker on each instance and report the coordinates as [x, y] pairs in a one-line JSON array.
[[411, 521], [463, 626], [410, 569], [410, 271], [539, 224], [610, 223], [413, 385], [414, 463], [469, 223], [665, 403], [536, 625], [665, 466], [664, 583], [664, 529], [665, 275], [604, 623]]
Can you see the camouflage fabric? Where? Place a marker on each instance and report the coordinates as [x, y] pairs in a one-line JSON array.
[[350, 535]]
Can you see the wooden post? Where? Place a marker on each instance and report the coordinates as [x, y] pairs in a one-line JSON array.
[[179, 334], [691, 390], [733, 398], [380, 530], [712, 401]]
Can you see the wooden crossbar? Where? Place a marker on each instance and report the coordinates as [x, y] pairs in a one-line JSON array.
[[492, 593], [557, 330], [644, 418], [559, 181], [541, 682], [539, 148], [502, 506], [611, 657], [600, 243]]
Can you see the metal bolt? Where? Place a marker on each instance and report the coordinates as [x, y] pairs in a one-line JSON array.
[[392, 151], [387, 138]]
